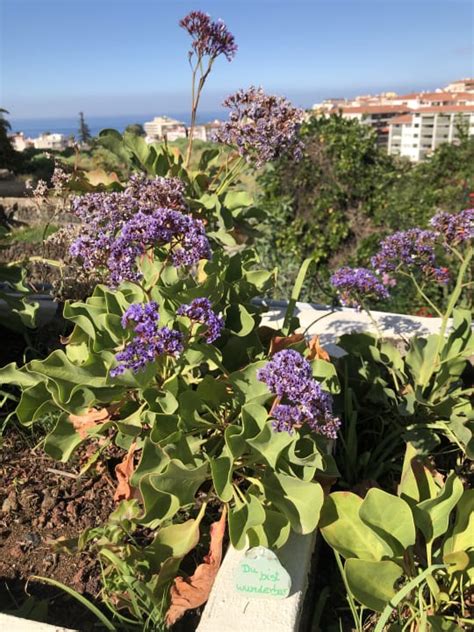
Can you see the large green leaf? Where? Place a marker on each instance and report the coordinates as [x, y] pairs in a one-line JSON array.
[[390, 518], [432, 516], [221, 470], [343, 529], [373, 584], [243, 517], [270, 444], [416, 483], [298, 500], [461, 536]]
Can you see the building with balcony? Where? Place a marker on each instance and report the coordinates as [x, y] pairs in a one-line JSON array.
[[56, 142], [417, 134], [164, 127]]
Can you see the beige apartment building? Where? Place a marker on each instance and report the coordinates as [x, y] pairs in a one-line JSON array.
[[417, 134]]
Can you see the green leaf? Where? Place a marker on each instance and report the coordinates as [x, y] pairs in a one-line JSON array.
[[243, 518], [432, 516], [298, 500], [344, 531], [460, 538], [390, 518], [270, 444], [272, 533], [416, 483], [165, 493], [62, 441], [221, 470], [239, 320], [372, 583], [11, 374], [236, 437]]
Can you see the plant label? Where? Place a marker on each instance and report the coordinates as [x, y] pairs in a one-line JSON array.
[[261, 575]]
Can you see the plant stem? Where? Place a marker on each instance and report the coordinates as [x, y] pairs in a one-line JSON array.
[[350, 599]]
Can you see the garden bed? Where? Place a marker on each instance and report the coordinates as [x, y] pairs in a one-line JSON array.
[[43, 502]]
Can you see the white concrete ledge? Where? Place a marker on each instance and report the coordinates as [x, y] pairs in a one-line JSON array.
[[332, 324], [230, 611]]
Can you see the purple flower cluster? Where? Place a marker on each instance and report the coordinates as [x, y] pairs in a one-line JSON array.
[[301, 398], [210, 38], [149, 342], [185, 236], [119, 227], [262, 127], [455, 227], [413, 248], [200, 311], [354, 283]]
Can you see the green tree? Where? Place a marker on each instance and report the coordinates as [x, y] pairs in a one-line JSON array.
[[136, 129], [323, 205], [84, 131], [8, 155]]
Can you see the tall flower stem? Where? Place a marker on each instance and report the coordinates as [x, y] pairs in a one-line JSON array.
[[196, 92]]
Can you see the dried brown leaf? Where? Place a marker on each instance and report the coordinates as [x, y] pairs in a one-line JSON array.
[[92, 418], [316, 351], [124, 471], [283, 342], [192, 592]]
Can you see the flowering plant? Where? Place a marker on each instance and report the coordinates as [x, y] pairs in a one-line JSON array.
[[167, 359]]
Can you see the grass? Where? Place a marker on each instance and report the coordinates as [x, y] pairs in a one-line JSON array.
[[32, 234]]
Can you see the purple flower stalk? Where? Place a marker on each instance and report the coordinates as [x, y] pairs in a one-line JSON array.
[[411, 249], [455, 228], [119, 227], [149, 342], [301, 398], [356, 284], [200, 311], [211, 38], [261, 127]]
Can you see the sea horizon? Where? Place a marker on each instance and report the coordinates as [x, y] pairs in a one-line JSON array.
[[67, 125]]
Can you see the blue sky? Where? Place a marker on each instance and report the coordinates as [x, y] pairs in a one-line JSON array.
[[129, 56]]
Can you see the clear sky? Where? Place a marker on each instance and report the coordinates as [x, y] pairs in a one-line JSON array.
[[129, 56]]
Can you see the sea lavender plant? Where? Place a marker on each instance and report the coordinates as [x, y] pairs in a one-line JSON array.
[[355, 285], [412, 250], [200, 311], [300, 398], [455, 228], [150, 341], [261, 127], [210, 40]]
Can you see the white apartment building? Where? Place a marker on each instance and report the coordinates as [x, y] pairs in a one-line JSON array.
[[462, 85], [162, 127], [20, 142], [54, 141], [377, 116], [417, 134]]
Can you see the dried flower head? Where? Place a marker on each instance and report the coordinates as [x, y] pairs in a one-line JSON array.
[[300, 397], [211, 38], [262, 127], [455, 228], [354, 285]]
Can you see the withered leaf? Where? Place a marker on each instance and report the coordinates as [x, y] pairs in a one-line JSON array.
[[92, 418], [192, 592], [124, 471], [283, 342], [316, 351]]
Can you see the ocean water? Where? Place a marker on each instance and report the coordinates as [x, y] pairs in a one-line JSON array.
[[35, 126]]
